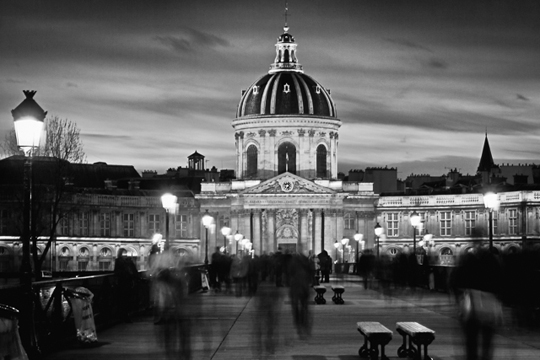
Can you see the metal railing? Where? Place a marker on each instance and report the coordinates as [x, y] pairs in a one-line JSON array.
[[53, 315]]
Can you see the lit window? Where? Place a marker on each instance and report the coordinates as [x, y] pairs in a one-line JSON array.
[[318, 89], [255, 90], [445, 219], [348, 220], [83, 224], [392, 224], [129, 225], [153, 223], [181, 226], [470, 222], [512, 222], [105, 224]]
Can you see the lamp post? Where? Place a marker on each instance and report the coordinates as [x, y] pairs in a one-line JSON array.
[[344, 243], [336, 245], [225, 231], [207, 220], [359, 239], [378, 232], [169, 204], [28, 120], [237, 238], [415, 221], [491, 202]]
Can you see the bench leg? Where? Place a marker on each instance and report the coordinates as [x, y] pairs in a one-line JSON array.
[[363, 352]]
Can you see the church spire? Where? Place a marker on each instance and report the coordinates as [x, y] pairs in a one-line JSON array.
[[486, 161]]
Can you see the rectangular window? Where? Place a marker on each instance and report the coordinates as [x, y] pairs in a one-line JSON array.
[[392, 224], [470, 222], [83, 224], [349, 220], [153, 223], [182, 222], [82, 265], [129, 225], [105, 224], [495, 218], [512, 222], [104, 265], [445, 218], [63, 226], [4, 220]]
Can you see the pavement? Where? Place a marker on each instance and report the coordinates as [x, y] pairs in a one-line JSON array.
[[229, 327]]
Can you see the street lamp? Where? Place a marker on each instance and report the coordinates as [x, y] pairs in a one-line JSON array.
[[207, 220], [169, 204], [226, 231], [415, 222], [344, 243], [491, 202], [359, 239], [379, 230], [28, 120], [237, 238]]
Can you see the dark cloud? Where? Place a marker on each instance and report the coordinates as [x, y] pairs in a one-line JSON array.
[[192, 41], [437, 63], [521, 97], [106, 137], [409, 44]]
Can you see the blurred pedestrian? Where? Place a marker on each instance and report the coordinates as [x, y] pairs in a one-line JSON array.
[[268, 303], [299, 291], [315, 268], [476, 283]]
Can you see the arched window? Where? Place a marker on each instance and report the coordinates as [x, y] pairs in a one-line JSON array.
[[251, 161], [321, 161], [287, 158]]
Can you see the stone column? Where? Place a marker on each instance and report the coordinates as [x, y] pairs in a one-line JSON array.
[[272, 156], [316, 233], [303, 239], [271, 231], [257, 235]]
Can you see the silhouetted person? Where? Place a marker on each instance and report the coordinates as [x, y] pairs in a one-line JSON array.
[[476, 284], [268, 302], [127, 277], [325, 262]]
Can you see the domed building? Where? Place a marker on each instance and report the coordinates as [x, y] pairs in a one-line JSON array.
[[286, 122], [286, 193]]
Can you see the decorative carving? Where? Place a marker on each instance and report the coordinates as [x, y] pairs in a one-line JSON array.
[[331, 134], [322, 134], [287, 133], [287, 224], [262, 133], [301, 132], [272, 132], [251, 134], [239, 135], [311, 133]]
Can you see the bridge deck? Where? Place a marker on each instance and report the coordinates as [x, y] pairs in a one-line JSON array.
[[227, 327]]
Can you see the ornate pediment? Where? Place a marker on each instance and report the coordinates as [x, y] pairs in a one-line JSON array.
[[288, 183]]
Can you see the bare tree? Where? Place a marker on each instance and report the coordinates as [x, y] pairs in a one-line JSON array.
[[63, 140], [8, 146]]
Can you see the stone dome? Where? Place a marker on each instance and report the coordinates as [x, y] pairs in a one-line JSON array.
[[286, 93], [286, 90]]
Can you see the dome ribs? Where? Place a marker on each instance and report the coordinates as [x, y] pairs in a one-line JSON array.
[[298, 94]]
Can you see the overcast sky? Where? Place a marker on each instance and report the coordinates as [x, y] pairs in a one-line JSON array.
[[148, 82]]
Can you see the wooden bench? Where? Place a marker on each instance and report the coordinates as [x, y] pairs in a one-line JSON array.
[[375, 334], [338, 290], [319, 298], [417, 334]]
